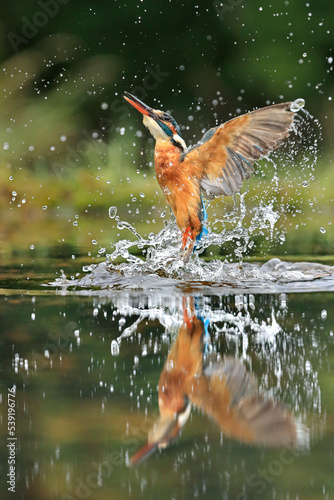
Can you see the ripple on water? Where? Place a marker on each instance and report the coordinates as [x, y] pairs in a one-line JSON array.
[[274, 276]]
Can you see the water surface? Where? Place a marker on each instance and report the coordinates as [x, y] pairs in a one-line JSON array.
[[86, 354]]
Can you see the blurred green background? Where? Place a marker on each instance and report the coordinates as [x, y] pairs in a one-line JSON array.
[[71, 147]]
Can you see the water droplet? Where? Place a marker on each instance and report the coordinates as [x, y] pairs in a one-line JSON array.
[[322, 230], [114, 348], [142, 195], [104, 105], [94, 242], [112, 212], [323, 314], [44, 207], [308, 367], [32, 247], [14, 193], [297, 105]]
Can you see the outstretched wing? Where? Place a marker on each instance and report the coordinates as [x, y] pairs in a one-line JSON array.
[[224, 157], [229, 394]]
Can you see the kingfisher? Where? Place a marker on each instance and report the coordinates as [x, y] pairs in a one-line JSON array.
[[217, 165], [220, 387]]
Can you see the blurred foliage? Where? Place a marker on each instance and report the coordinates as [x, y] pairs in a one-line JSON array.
[[69, 216], [70, 143], [62, 59]]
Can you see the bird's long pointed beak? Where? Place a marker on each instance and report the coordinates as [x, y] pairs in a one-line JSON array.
[[144, 453], [162, 433], [138, 104]]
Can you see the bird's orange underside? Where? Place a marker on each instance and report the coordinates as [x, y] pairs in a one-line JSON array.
[[180, 181], [180, 184]]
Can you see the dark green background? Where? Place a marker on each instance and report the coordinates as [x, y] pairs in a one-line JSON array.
[[249, 51]]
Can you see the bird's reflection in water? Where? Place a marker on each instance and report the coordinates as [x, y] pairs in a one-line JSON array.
[[221, 387]]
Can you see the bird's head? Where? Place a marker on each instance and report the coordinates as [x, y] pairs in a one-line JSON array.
[[165, 430], [160, 124]]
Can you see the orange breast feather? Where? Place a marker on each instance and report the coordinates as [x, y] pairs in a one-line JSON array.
[[180, 184]]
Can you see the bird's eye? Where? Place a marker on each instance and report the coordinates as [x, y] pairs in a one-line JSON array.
[[165, 117]]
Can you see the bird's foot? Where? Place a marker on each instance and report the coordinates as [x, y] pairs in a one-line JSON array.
[[186, 237], [187, 245]]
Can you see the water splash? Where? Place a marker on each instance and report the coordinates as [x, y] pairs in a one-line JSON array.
[[197, 276], [257, 221], [250, 223]]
